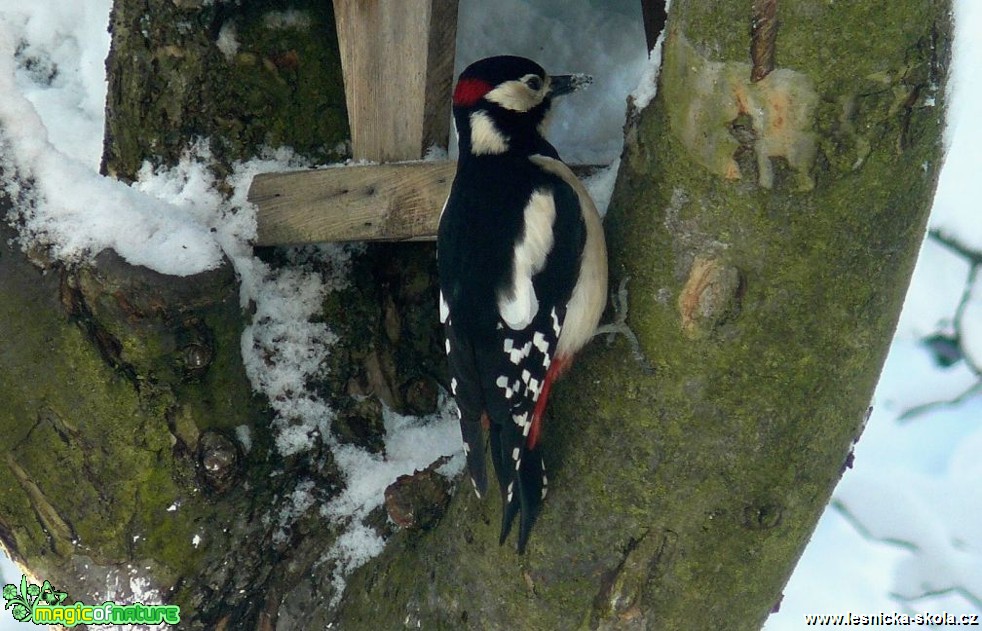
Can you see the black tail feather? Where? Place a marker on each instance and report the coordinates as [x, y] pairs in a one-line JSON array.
[[501, 469], [521, 488], [473, 435], [530, 481]]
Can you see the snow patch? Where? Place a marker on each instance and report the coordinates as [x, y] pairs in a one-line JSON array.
[[600, 185], [648, 86], [411, 444], [228, 40], [244, 434], [291, 18]]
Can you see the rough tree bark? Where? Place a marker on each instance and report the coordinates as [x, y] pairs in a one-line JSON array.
[[764, 225], [121, 473]]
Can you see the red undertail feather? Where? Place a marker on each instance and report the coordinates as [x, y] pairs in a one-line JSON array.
[[556, 369]]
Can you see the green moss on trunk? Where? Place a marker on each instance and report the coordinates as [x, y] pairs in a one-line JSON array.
[[123, 388], [243, 77], [766, 233], [87, 451]]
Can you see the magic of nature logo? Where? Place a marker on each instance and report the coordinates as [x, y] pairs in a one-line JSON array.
[[42, 604]]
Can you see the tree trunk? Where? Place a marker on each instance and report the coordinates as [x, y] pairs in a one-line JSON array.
[[767, 215], [241, 75], [121, 468], [766, 219]]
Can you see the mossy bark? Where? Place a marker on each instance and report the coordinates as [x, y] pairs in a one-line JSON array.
[[122, 472], [243, 76], [765, 232], [120, 385]]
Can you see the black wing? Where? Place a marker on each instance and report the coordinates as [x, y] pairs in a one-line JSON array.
[[497, 373]]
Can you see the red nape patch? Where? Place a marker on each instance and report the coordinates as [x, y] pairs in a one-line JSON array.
[[469, 91], [556, 369]]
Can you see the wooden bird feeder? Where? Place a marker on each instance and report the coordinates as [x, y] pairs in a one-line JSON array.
[[397, 57]]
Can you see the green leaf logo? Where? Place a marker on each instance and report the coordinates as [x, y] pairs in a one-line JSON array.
[[9, 592], [51, 597], [22, 599], [21, 613]]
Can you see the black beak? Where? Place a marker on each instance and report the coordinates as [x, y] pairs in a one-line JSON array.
[[566, 83]]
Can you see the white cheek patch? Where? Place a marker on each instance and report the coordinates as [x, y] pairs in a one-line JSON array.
[[485, 137], [515, 96], [519, 304]]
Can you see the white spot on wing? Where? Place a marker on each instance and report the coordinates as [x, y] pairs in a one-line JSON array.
[[516, 355], [502, 382], [514, 453], [453, 385], [540, 342], [444, 310], [447, 345], [556, 327], [518, 305]]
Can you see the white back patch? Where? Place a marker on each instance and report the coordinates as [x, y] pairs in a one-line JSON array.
[[519, 305], [485, 137]]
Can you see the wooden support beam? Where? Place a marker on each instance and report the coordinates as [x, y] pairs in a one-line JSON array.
[[397, 58], [385, 202]]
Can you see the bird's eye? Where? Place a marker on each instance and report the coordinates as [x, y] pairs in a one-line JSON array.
[[534, 82]]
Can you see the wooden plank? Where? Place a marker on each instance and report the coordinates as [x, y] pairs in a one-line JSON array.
[[387, 202], [439, 74], [397, 59]]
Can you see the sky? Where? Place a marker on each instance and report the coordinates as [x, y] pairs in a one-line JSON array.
[[904, 530]]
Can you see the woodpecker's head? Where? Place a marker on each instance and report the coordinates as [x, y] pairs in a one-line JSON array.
[[502, 104]]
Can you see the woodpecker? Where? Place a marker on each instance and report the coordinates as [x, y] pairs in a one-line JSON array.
[[523, 274]]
